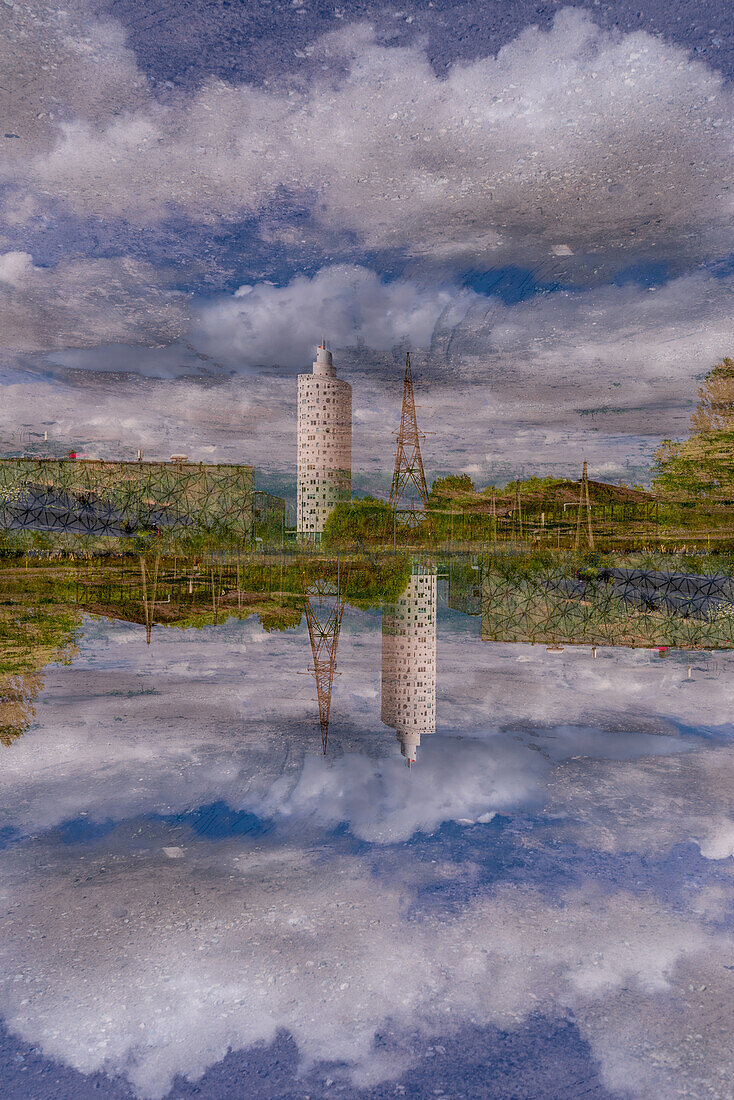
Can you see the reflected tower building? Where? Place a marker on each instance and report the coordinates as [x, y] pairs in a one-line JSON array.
[[324, 445], [409, 661]]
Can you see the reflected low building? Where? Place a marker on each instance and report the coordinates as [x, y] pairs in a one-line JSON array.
[[611, 606], [465, 592], [409, 661]]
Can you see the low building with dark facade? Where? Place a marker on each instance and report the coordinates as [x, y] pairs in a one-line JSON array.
[[98, 497]]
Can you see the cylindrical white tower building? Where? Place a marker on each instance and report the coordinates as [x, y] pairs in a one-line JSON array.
[[409, 661], [324, 445]]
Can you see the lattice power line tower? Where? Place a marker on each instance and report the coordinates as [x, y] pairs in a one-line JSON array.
[[584, 503], [409, 476], [324, 610]]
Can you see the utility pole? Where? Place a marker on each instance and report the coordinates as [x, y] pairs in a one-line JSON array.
[[149, 602], [584, 502]]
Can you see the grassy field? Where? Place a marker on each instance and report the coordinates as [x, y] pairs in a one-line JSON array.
[[39, 618], [42, 603]]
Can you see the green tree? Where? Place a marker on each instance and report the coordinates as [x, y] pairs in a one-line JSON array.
[[703, 465], [451, 487], [532, 485], [715, 410], [364, 522]]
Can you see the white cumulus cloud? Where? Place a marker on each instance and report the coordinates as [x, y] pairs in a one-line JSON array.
[[265, 324], [166, 965], [575, 142], [83, 303]]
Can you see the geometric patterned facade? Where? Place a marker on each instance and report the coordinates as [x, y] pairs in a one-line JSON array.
[[97, 497], [324, 445], [409, 661], [630, 607]]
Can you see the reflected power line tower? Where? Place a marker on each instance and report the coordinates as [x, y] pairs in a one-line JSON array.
[[324, 610], [584, 502], [408, 473]]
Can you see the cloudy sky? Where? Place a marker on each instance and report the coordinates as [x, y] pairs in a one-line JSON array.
[[540, 907], [535, 199]]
